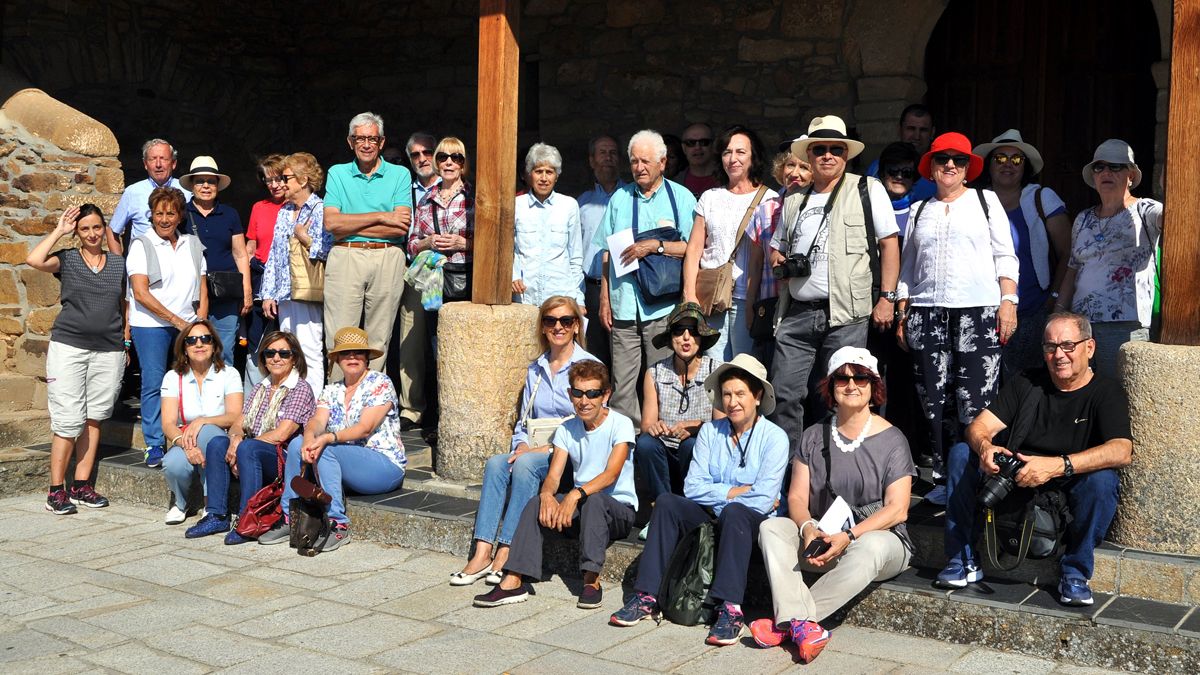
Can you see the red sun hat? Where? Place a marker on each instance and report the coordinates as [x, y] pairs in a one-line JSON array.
[[956, 143]]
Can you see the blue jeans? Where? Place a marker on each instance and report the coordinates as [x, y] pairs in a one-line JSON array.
[[153, 347], [735, 334], [1092, 498], [360, 468], [225, 318], [257, 465], [524, 476], [180, 473], [662, 467]]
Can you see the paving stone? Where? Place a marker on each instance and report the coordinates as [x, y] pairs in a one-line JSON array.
[[489, 618], [997, 663], [80, 548], [299, 618], [148, 549], [237, 589], [210, 646], [592, 634], [235, 615], [744, 657], [461, 651], [137, 658], [74, 593], [293, 660], [154, 616], [1141, 614], [1068, 669], [218, 557], [167, 570], [79, 632], [663, 648], [379, 588], [355, 558], [58, 664], [438, 565], [563, 661], [548, 618], [362, 637], [294, 580], [839, 663], [106, 601], [432, 602], [897, 647], [29, 644], [15, 603]]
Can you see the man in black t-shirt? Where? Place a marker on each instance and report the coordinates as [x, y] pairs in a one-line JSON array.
[[1071, 428]]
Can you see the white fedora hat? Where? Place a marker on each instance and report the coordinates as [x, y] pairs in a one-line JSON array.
[[203, 165], [1013, 137], [824, 129]]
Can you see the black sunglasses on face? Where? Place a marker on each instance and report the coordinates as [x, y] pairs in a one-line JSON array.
[[904, 173], [191, 340], [1100, 167], [944, 159], [206, 180], [590, 393], [821, 150], [456, 157], [417, 154], [693, 142], [840, 378], [681, 328], [1002, 159], [549, 321], [281, 353]]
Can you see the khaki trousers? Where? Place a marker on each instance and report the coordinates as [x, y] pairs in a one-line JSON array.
[[363, 288], [876, 556], [411, 351]]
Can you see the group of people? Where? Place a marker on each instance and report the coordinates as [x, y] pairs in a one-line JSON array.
[[700, 330]]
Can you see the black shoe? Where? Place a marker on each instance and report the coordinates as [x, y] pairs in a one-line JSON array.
[[925, 461], [86, 495], [591, 597], [408, 425], [59, 503], [498, 596]]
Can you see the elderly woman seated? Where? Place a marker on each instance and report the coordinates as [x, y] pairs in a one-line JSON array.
[[353, 438], [277, 410], [201, 397], [736, 472], [600, 507], [548, 255], [872, 471]]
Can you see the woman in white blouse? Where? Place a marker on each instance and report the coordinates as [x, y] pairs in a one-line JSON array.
[[548, 255], [958, 285], [720, 212]]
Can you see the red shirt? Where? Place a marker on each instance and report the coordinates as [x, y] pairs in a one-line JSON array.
[[698, 184], [261, 228]]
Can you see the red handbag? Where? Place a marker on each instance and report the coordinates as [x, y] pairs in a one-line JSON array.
[[263, 510]]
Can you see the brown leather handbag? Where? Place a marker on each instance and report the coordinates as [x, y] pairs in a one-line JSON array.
[[306, 512], [714, 287], [264, 509]]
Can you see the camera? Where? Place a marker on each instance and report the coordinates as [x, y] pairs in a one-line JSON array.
[[795, 266], [997, 487]]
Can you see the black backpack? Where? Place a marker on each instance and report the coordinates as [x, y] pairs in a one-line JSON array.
[[1028, 523], [688, 577]]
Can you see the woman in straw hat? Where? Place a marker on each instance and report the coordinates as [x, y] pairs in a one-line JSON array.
[[1111, 274]]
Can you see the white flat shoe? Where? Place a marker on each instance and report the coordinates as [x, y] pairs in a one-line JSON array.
[[493, 577], [465, 579], [175, 516]]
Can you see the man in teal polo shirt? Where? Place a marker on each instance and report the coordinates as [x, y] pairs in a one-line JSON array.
[[368, 208], [631, 319]]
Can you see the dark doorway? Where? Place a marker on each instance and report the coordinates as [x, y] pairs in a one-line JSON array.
[[1068, 74]]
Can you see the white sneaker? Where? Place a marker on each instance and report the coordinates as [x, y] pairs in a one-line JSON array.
[[175, 516]]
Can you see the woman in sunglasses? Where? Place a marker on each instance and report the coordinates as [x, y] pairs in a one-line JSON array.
[[1041, 234], [519, 472], [201, 399], [958, 293], [276, 411], [864, 460], [445, 219], [898, 173], [1112, 274], [548, 258], [674, 404]]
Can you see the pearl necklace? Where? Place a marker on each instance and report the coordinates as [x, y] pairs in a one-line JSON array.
[[853, 445]]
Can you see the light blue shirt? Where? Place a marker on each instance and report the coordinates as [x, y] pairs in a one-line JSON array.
[[351, 191], [548, 254], [654, 211], [718, 465], [590, 452], [550, 399], [135, 206], [591, 211]]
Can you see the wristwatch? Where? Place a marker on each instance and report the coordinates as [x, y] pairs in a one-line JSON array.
[[1011, 297], [582, 495], [850, 533], [1068, 468], [661, 250], [890, 296]]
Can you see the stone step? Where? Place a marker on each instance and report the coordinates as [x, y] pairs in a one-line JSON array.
[[21, 392], [19, 428]]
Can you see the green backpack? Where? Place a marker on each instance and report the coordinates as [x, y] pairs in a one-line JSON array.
[[683, 597]]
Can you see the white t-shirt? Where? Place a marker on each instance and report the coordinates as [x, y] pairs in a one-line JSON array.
[[722, 212], [179, 281], [208, 401], [589, 452], [812, 224]]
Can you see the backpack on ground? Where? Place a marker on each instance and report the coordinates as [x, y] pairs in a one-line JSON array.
[[1028, 523], [688, 577]]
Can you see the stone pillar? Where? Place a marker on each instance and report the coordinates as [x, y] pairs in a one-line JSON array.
[[483, 353], [1160, 492]]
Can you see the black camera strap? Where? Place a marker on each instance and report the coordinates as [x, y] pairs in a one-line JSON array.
[[820, 226]]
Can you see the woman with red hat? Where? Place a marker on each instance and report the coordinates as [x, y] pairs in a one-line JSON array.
[[958, 285]]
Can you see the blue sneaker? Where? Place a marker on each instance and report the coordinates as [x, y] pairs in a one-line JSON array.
[[640, 606], [728, 627], [958, 575], [153, 455], [234, 538], [1074, 592], [211, 523]]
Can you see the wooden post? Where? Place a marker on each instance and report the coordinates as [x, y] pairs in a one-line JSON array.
[[496, 150], [1181, 226]]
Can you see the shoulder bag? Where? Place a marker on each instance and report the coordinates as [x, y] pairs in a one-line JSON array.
[[714, 287], [660, 277], [456, 276], [308, 275], [306, 512], [222, 284], [540, 429], [264, 509]]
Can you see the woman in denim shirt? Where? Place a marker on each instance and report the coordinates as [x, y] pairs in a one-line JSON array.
[[548, 259]]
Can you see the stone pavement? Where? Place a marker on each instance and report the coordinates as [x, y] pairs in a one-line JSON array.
[[115, 590]]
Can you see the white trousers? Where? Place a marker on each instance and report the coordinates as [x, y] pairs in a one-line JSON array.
[[305, 321]]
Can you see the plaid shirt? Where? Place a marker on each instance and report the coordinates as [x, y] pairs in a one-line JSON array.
[[297, 406], [760, 231], [455, 217]]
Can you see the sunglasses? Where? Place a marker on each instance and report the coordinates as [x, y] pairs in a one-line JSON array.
[[693, 142], [679, 329], [366, 140], [567, 321], [1067, 346], [1100, 167], [206, 180], [821, 150], [590, 393], [281, 353], [456, 157], [959, 160], [417, 154], [271, 180], [191, 340], [841, 378], [905, 173], [1001, 159], [361, 353]]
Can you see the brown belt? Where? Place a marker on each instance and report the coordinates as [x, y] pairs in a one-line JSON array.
[[372, 245]]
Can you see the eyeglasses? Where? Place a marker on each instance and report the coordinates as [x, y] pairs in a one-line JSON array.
[[271, 180], [288, 176], [859, 379], [1067, 346], [1100, 167], [590, 393], [567, 321], [944, 159], [191, 340], [418, 154], [1001, 159], [901, 173], [693, 142], [281, 353], [206, 180], [366, 140], [456, 157], [821, 150], [680, 328]]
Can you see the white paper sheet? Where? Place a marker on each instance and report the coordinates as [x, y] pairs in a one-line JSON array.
[[839, 517], [618, 242]]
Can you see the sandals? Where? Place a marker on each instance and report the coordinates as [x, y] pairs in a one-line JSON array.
[[466, 579]]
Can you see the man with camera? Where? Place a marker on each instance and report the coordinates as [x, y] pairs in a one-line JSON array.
[[1063, 428], [836, 247]]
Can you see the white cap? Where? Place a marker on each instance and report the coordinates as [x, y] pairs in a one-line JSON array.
[[855, 355]]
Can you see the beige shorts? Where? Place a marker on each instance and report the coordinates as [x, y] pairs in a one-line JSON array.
[[81, 385]]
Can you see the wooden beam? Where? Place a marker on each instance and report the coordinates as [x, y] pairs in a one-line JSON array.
[[496, 150], [1181, 225]]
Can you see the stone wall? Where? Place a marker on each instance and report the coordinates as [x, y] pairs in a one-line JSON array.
[[51, 157]]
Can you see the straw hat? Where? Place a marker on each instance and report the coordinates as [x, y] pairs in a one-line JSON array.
[[951, 142], [688, 310], [1113, 151], [712, 383], [1012, 137], [353, 339], [203, 166], [824, 129]]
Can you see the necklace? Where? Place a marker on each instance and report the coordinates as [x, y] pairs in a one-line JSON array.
[[853, 445], [95, 268]]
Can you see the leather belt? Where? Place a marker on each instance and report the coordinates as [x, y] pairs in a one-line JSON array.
[[808, 306], [372, 245]]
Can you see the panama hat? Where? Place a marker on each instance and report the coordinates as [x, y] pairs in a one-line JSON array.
[[856, 356], [823, 129], [1012, 137], [204, 166], [708, 335], [353, 339], [752, 366], [956, 142], [1113, 151]]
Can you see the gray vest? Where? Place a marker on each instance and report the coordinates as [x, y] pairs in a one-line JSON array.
[[154, 271]]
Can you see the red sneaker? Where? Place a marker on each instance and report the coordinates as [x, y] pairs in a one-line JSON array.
[[766, 633], [810, 639]]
